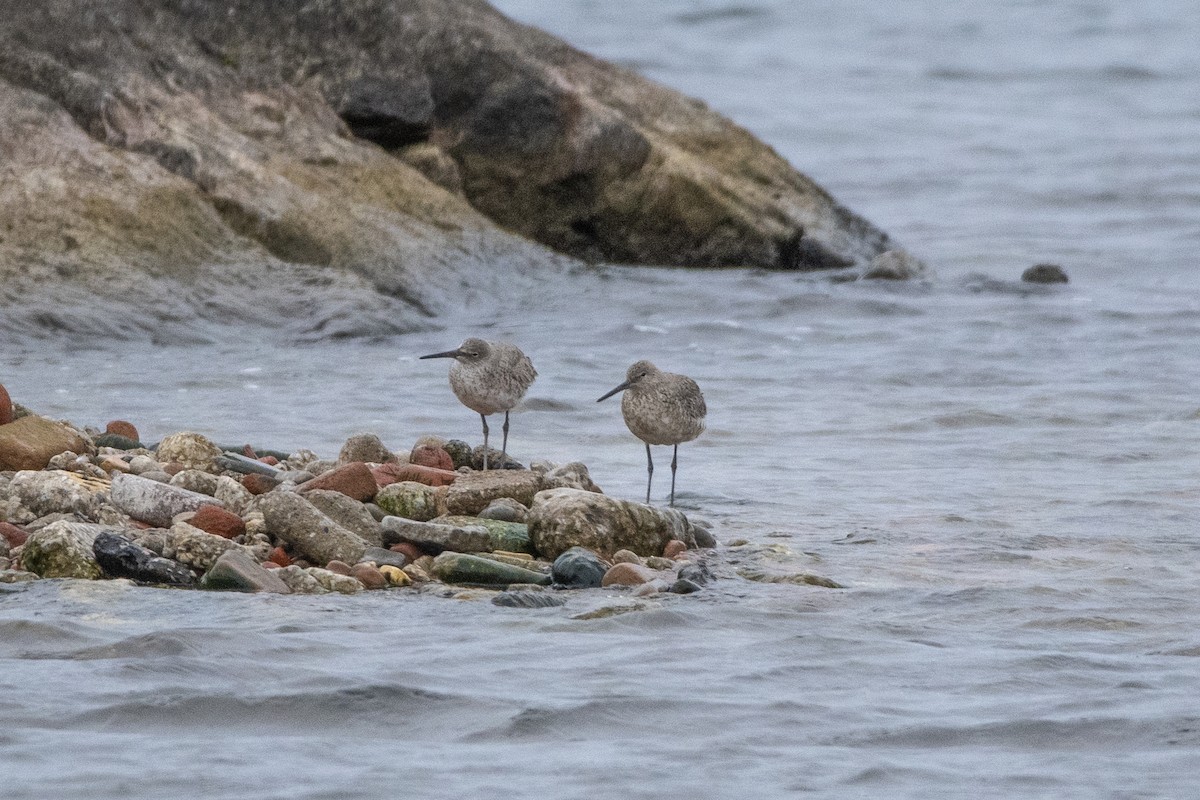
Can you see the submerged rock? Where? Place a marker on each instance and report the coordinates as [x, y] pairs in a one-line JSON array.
[[563, 518], [121, 558], [524, 599], [461, 568], [1045, 273]]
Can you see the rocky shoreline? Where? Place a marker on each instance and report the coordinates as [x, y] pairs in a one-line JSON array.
[[186, 513]]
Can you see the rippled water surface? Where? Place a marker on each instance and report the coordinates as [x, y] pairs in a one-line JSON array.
[[1004, 477]]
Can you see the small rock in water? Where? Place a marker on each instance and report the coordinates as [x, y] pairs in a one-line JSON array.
[[427, 455], [626, 557], [627, 574], [299, 581], [120, 427], [684, 586], [702, 532], [462, 568], [894, 265], [698, 573], [579, 568], [674, 549], [366, 447], [505, 509], [528, 600], [1045, 273], [121, 558], [343, 584], [237, 571]]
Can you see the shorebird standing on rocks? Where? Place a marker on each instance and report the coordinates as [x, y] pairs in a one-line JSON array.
[[660, 408], [489, 377]]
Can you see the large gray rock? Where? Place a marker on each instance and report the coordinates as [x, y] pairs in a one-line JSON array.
[[434, 538], [58, 492], [153, 502], [560, 519], [347, 512], [308, 533], [174, 138], [63, 550]]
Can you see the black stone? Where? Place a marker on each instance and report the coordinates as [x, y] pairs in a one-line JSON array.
[[121, 558], [683, 586], [578, 568], [528, 600], [1045, 273], [702, 535], [698, 573], [116, 441]]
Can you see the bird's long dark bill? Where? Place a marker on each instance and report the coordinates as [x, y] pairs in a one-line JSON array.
[[620, 388], [447, 354]]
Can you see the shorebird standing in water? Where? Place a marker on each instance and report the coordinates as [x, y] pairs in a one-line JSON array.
[[489, 377], [660, 408]]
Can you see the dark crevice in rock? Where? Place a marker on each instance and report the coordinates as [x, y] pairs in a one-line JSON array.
[[800, 252]]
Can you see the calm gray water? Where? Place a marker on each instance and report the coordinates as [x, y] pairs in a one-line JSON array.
[[1004, 476]]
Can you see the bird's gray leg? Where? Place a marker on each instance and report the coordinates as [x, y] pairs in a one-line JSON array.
[[504, 447], [485, 448], [674, 464], [649, 472]]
